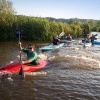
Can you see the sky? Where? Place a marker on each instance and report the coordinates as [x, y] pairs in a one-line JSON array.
[[83, 9]]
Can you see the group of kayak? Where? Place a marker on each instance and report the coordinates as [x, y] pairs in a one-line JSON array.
[[33, 63]]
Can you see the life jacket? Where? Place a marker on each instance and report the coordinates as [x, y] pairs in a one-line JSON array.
[[55, 41]]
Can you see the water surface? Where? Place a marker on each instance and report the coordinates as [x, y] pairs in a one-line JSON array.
[[73, 74]]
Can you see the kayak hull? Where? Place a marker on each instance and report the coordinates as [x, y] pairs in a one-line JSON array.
[[15, 67], [51, 47], [87, 45], [96, 42]]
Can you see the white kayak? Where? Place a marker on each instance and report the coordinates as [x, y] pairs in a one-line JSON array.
[[87, 44]]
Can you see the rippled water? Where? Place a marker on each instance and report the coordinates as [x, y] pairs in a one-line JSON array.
[[73, 74]]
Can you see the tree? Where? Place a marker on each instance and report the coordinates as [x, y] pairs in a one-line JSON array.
[[6, 7], [86, 29], [6, 19]]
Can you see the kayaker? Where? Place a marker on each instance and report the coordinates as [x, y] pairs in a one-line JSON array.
[[31, 54], [55, 40], [69, 37], [87, 39], [93, 37]]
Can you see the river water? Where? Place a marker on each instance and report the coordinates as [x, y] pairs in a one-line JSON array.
[[72, 74]]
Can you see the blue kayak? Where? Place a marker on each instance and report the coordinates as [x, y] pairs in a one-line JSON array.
[[96, 42], [51, 47]]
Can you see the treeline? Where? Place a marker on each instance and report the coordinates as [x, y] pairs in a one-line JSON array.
[[42, 29], [70, 20]]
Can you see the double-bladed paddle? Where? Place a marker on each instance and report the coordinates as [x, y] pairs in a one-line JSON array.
[[21, 72], [61, 34]]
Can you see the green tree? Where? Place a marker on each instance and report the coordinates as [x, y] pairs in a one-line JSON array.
[[6, 7], [86, 29], [6, 19]]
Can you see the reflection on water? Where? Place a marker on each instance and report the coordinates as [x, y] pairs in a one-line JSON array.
[[73, 74]]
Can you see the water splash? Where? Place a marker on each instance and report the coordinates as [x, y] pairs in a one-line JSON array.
[[6, 76], [35, 73], [43, 56], [78, 57]]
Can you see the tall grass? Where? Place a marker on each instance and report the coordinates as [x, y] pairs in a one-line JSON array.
[[37, 28]]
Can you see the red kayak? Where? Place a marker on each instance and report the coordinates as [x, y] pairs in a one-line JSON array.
[[15, 67]]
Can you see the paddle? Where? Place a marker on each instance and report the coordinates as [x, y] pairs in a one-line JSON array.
[[61, 34], [21, 72]]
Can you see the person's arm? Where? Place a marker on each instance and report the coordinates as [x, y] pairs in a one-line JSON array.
[[96, 34], [59, 40], [20, 46], [27, 61], [70, 37]]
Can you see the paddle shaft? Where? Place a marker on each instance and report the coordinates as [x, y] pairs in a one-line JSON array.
[[21, 72], [20, 52]]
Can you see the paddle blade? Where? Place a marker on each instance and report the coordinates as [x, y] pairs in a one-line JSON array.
[[18, 34], [61, 34], [21, 73]]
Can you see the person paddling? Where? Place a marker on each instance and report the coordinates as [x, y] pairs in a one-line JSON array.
[[93, 37], [32, 57], [88, 39], [55, 40], [69, 37]]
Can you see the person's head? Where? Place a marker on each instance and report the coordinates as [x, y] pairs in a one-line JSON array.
[[55, 36], [88, 35], [31, 47]]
